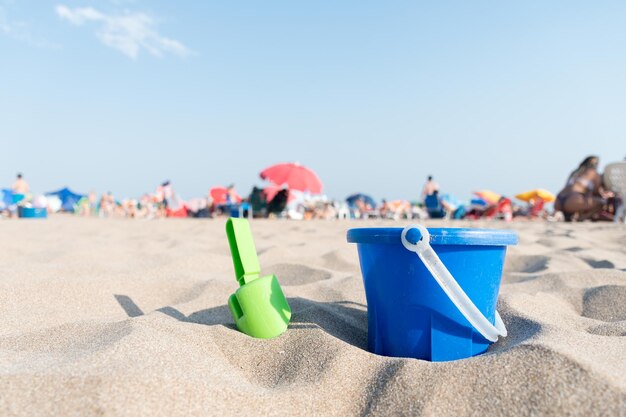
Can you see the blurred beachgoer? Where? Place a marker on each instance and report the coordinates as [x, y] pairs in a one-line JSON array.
[[363, 209], [20, 186], [399, 209], [81, 208], [534, 210], [430, 187], [231, 195], [198, 208], [87, 206], [329, 212], [435, 206], [505, 207], [168, 193], [107, 205], [118, 209], [258, 202], [158, 194], [384, 210], [20, 189], [93, 203], [147, 207], [583, 196]]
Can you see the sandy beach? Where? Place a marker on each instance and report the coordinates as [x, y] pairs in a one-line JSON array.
[[122, 317]]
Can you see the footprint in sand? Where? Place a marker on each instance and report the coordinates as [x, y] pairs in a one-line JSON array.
[[606, 303], [261, 250], [599, 264], [333, 260], [609, 329], [574, 249], [293, 274]]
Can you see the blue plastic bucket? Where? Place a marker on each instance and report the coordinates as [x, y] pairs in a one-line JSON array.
[[409, 314], [32, 212]]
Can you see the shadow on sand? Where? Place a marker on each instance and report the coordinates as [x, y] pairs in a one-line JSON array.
[[344, 320]]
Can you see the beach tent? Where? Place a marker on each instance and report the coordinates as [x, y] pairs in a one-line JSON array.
[[351, 200], [68, 198]]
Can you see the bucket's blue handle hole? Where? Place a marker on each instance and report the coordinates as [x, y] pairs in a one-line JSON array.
[[413, 236]]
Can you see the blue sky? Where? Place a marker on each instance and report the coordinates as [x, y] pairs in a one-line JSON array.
[[374, 96]]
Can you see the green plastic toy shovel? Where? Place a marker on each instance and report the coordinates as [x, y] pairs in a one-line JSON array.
[[259, 306]]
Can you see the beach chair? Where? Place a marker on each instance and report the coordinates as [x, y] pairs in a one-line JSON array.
[[434, 207], [258, 202], [241, 210], [343, 211], [178, 213], [278, 204], [370, 213], [614, 178], [503, 209]]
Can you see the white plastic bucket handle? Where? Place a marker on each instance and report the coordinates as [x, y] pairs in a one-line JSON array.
[[449, 285]]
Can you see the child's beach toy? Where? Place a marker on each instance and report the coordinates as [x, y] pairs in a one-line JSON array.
[[32, 212], [432, 293], [259, 306]]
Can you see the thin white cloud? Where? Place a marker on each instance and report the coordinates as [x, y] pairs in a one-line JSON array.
[[129, 33], [5, 27], [20, 30]]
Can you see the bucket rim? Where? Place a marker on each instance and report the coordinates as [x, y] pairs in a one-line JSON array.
[[438, 236]]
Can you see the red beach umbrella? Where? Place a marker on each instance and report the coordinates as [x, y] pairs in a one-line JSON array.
[[218, 194], [295, 176]]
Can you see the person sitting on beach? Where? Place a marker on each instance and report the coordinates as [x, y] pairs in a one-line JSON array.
[[430, 187], [583, 196], [535, 209], [20, 186], [231, 195], [258, 202], [384, 211], [278, 204], [436, 207], [364, 209], [168, 193]]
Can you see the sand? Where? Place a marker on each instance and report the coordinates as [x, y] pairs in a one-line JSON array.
[[123, 317]]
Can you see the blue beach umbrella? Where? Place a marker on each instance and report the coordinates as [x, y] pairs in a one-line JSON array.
[[7, 197], [362, 197], [68, 198]]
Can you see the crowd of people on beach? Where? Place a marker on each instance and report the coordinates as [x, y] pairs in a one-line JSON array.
[[585, 196]]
